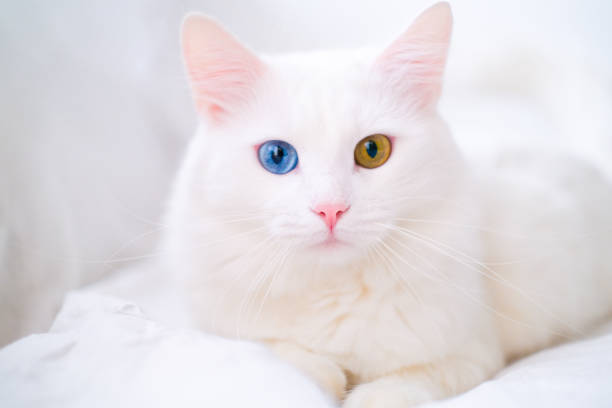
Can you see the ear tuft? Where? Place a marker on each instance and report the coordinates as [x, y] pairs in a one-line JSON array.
[[222, 71], [414, 62]]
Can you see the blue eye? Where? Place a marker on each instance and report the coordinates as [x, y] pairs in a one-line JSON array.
[[277, 157]]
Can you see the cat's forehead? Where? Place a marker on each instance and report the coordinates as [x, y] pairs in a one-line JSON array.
[[321, 73], [320, 93]]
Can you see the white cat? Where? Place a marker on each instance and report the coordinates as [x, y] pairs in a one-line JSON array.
[[323, 208]]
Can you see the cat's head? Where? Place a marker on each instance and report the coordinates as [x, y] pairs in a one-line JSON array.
[[326, 150]]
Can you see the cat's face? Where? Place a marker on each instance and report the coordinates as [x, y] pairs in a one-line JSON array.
[[326, 151]]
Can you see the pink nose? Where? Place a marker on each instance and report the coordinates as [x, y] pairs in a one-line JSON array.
[[330, 212]]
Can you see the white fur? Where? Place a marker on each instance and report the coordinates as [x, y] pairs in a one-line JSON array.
[[448, 269]]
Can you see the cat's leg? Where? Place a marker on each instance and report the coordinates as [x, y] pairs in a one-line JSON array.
[[325, 372], [416, 385]]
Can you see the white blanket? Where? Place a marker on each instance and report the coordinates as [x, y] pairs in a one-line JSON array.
[[106, 352]]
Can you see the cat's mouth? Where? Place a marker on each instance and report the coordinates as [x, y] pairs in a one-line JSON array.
[[331, 242]]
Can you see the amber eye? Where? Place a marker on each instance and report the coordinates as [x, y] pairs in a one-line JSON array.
[[373, 151]]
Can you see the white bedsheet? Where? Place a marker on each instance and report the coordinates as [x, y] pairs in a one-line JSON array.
[[103, 351]]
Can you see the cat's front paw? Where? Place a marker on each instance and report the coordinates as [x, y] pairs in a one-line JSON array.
[[388, 393], [327, 374]]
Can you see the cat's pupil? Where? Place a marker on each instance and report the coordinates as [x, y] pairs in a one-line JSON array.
[[371, 148], [277, 154]]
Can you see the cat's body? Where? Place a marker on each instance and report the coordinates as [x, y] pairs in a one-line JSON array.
[[435, 272]]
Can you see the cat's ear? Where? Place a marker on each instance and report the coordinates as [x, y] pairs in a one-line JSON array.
[[413, 64], [222, 72]]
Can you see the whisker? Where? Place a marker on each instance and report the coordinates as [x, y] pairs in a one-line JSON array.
[[182, 250], [252, 290], [458, 225], [495, 311], [495, 276], [112, 258], [221, 267], [278, 270], [398, 276]]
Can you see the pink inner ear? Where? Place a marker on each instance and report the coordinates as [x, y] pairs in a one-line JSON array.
[[222, 72], [413, 64], [222, 84], [215, 111], [414, 73]]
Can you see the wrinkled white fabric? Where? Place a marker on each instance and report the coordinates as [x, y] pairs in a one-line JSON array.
[[577, 374], [105, 352]]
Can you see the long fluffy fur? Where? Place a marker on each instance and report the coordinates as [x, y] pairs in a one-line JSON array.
[[447, 273]]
